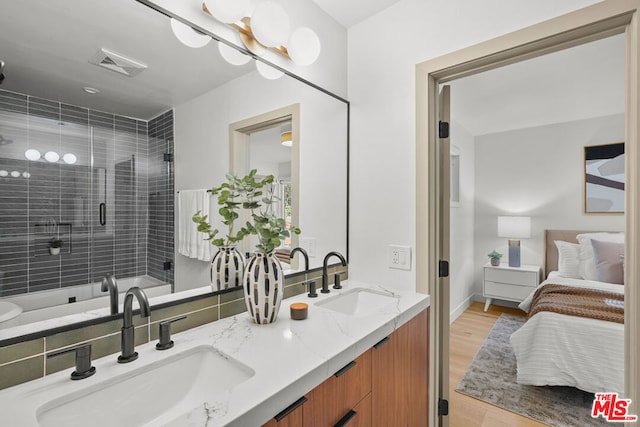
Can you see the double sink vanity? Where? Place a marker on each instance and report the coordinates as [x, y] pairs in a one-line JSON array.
[[337, 367]]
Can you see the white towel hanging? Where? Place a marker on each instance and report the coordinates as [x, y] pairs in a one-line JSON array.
[[192, 243]]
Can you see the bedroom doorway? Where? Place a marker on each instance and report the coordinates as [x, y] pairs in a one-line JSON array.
[[593, 23]]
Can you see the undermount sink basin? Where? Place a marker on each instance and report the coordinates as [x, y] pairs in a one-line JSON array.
[[358, 302], [153, 395]]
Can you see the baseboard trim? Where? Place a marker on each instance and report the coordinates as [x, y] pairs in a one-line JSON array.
[[456, 312]]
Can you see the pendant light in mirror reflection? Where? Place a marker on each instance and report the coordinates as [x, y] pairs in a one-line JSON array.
[[50, 156], [268, 72], [188, 36], [231, 55]]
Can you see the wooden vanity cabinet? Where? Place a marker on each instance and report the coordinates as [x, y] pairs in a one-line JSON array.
[[386, 386], [400, 375], [341, 393]]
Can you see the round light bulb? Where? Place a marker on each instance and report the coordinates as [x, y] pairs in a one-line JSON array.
[[15, 174], [270, 24], [69, 158], [228, 11], [187, 35], [3, 173], [51, 156], [267, 71], [232, 56], [26, 175], [304, 46], [32, 154]]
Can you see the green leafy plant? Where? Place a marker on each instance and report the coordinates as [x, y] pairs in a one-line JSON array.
[[494, 255], [269, 228], [233, 195], [55, 243]]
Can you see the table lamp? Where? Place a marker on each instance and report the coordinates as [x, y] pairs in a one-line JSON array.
[[514, 228]]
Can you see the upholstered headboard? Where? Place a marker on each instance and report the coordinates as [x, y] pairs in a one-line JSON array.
[[550, 250]]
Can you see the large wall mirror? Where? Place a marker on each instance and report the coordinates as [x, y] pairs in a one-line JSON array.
[[104, 116]]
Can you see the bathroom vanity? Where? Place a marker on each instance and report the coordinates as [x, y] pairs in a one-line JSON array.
[[360, 358]]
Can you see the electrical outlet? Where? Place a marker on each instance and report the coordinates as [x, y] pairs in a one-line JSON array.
[[399, 257], [309, 245]]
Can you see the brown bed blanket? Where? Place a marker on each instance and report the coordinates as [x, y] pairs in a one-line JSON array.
[[581, 302]]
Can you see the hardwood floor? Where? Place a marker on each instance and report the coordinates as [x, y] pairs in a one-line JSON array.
[[468, 333]]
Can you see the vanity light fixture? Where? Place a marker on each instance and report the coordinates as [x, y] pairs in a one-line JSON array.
[[51, 156], [69, 158], [32, 154], [267, 27], [285, 139]]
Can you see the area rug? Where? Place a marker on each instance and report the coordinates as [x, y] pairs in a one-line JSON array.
[[492, 378]]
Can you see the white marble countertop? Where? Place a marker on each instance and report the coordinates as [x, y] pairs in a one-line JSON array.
[[289, 359]]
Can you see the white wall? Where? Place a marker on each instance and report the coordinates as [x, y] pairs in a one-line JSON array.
[[382, 54], [537, 172], [462, 259], [202, 155]]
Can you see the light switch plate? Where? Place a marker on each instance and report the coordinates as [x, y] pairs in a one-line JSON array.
[[309, 245]]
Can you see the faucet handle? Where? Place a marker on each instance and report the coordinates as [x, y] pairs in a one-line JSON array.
[[336, 281], [83, 361], [165, 341], [312, 289]]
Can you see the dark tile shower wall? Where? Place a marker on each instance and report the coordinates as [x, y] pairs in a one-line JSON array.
[[161, 198], [58, 199]]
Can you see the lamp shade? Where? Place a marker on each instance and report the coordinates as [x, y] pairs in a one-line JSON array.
[[517, 227]]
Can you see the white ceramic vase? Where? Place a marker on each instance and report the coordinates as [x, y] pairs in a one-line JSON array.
[[263, 286], [226, 268]]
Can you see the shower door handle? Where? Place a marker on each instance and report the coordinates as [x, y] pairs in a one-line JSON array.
[[103, 213]]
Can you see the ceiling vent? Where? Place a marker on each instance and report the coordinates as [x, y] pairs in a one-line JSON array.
[[118, 63]]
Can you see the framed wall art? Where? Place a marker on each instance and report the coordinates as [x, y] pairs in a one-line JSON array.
[[604, 178]]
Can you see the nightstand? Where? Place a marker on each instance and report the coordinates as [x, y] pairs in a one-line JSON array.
[[509, 283]]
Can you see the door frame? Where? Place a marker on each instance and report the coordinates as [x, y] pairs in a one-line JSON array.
[[592, 23]]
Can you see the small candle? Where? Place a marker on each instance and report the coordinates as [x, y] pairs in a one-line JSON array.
[[299, 310]]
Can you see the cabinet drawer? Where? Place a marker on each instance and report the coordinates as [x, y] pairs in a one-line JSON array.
[[506, 291], [524, 278]]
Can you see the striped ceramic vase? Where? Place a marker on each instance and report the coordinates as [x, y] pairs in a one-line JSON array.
[[226, 268], [263, 285]]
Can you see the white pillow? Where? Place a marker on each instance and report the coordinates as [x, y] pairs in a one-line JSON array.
[[608, 258], [568, 259], [587, 262]]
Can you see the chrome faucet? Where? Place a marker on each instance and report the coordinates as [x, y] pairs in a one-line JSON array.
[[325, 276], [311, 285], [109, 284], [127, 338]]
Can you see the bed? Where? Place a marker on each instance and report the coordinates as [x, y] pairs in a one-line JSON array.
[[560, 349]]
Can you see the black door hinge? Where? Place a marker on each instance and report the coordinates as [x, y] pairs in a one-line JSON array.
[[443, 129], [443, 268], [443, 407]]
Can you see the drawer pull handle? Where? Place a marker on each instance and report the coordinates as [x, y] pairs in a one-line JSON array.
[[380, 343], [345, 369], [289, 409], [344, 420]]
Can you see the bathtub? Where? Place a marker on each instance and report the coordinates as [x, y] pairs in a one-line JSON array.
[[53, 306]]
